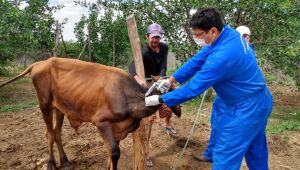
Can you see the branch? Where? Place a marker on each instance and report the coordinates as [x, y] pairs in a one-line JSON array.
[[81, 51], [62, 38]]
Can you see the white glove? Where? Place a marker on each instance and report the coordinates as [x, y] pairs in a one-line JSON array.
[[164, 85], [152, 100]]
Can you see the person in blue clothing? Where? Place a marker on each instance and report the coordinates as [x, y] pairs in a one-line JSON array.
[[226, 63], [245, 32], [218, 108]]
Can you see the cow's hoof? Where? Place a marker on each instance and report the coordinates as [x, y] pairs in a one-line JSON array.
[[51, 165], [68, 168], [65, 164]]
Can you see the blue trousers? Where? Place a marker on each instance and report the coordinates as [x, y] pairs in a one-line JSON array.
[[238, 130], [217, 109]]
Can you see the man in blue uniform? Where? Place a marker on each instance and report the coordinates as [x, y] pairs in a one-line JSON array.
[[218, 108], [226, 63], [245, 32]]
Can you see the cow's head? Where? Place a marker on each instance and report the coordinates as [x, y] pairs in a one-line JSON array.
[[175, 109]]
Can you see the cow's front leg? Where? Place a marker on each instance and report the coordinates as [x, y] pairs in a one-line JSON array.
[[111, 144]]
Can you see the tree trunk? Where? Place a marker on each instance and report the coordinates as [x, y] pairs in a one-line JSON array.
[[55, 49], [89, 41], [113, 50], [62, 39], [81, 51], [24, 61], [187, 30]]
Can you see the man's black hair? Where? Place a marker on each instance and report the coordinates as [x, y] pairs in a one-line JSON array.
[[206, 18]]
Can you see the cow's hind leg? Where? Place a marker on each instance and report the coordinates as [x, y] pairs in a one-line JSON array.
[[41, 83], [57, 136], [111, 144], [48, 118]]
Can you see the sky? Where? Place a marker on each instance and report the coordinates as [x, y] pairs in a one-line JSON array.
[[72, 12]]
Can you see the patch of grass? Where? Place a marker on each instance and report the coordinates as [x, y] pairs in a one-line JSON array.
[[10, 70], [17, 96], [19, 107], [195, 101], [283, 120], [171, 70], [191, 108]]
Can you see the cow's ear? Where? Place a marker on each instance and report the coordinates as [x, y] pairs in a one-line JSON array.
[[176, 110]]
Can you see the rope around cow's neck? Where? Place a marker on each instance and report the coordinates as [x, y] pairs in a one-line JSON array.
[[190, 133]]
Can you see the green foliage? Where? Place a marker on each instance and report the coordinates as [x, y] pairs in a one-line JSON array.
[[25, 31], [108, 35], [18, 91], [284, 119], [9, 23], [3, 71], [19, 107], [283, 127], [171, 15], [8, 70], [73, 49], [274, 24], [37, 25]]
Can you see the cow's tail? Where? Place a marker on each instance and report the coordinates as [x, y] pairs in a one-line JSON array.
[[26, 71]]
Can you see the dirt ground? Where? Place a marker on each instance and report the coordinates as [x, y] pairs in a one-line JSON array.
[[23, 142]]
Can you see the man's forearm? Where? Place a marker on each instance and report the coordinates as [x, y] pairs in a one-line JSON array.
[[172, 80]]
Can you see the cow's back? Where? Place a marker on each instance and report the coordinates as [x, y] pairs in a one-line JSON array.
[[82, 90]]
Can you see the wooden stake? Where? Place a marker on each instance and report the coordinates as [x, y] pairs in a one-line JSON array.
[[139, 136]]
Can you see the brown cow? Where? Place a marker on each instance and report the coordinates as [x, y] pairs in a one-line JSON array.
[[106, 96]]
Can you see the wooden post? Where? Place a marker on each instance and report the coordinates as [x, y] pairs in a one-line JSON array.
[[113, 50], [139, 136], [55, 49], [89, 43]]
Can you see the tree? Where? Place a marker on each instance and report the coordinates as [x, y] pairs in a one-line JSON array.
[[9, 30], [275, 25], [102, 30], [25, 31]]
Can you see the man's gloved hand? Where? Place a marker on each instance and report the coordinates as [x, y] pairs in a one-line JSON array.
[[164, 85], [152, 100]]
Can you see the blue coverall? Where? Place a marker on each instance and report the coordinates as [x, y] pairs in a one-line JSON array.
[[217, 109], [230, 68]]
